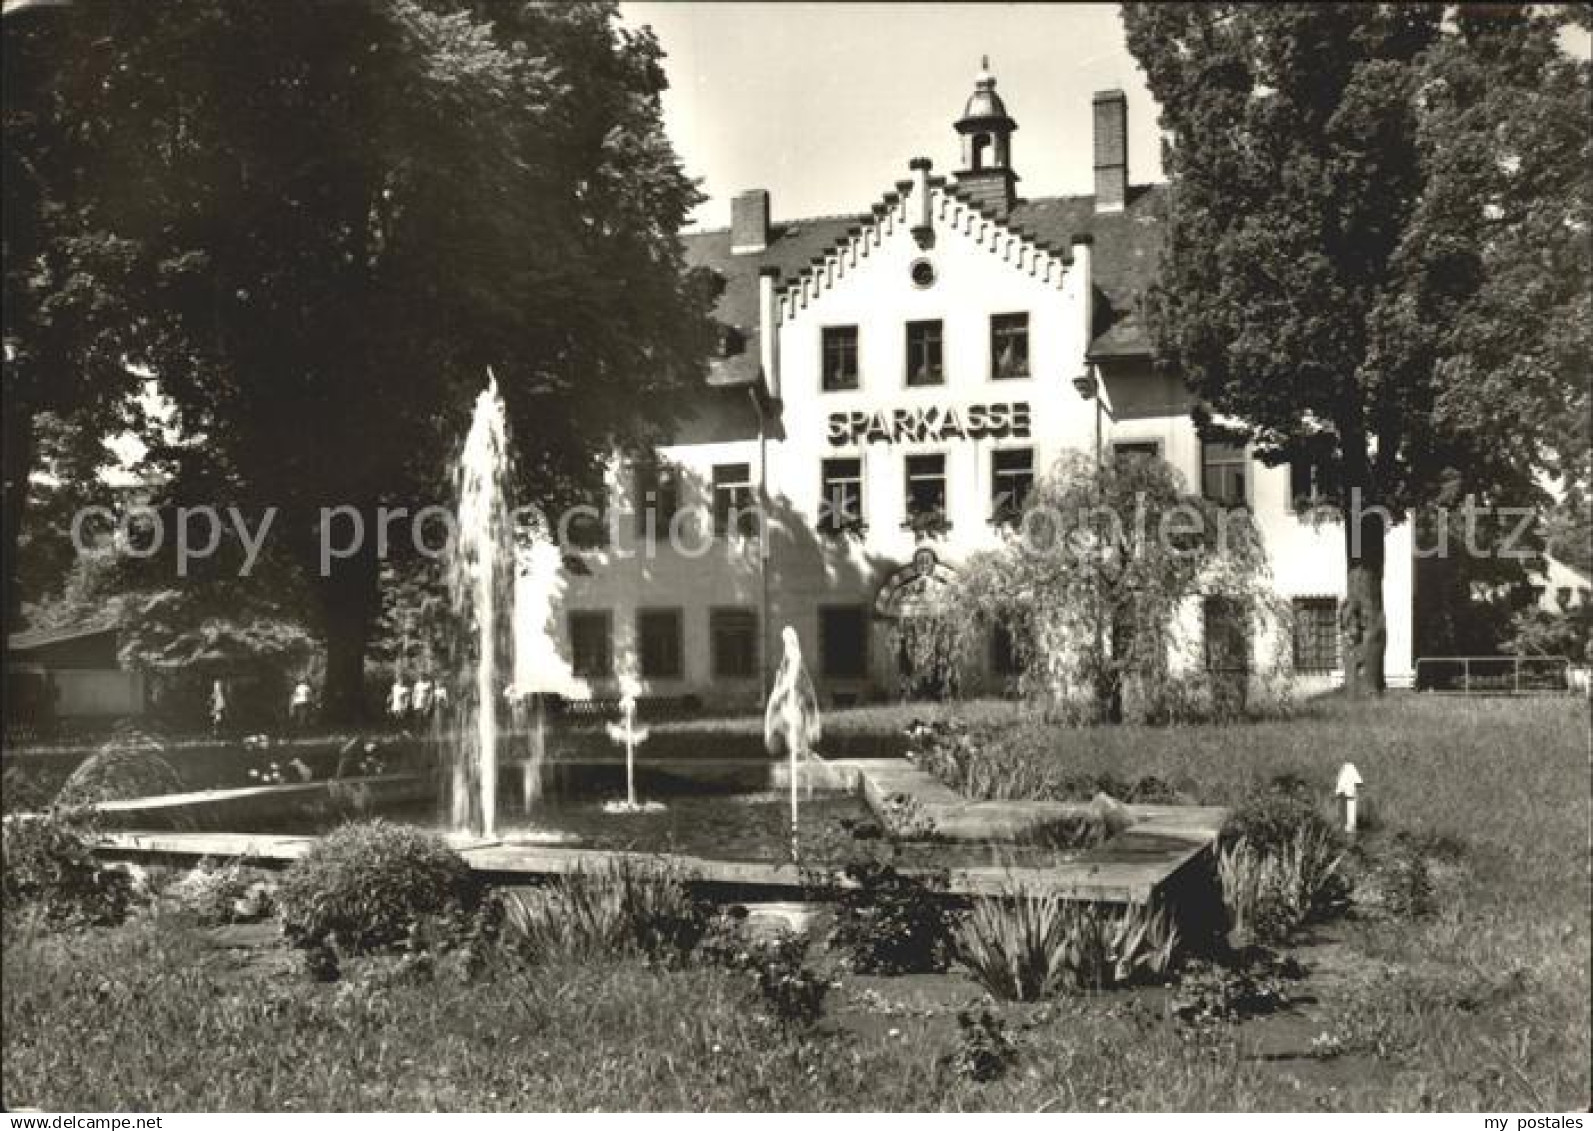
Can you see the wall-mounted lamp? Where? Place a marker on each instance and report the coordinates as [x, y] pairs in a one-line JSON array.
[[1088, 384]]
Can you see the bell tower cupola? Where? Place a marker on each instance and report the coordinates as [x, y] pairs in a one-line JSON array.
[[986, 175]]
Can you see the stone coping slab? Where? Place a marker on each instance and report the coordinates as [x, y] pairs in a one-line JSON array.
[[155, 803], [1105, 880], [899, 791], [212, 808]]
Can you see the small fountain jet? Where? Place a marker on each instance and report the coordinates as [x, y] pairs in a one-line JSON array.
[[628, 734], [791, 720]]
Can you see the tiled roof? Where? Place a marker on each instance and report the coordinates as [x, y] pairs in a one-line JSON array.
[[793, 244], [1125, 244], [1126, 247], [43, 637]]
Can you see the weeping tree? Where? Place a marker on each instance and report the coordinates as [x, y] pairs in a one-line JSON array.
[[1377, 255], [1103, 586]]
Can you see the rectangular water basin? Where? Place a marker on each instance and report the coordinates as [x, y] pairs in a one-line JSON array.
[[710, 809]]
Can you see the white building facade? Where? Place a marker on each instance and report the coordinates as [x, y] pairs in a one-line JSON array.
[[916, 364]]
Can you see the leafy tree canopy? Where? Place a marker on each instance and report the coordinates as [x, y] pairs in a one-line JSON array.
[[1378, 257], [330, 217]]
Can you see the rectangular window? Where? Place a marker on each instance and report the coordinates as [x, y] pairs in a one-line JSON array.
[[1003, 651], [1009, 346], [1123, 633], [1223, 468], [926, 484], [843, 641], [841, 505], [657, 498], [591, 656], [733, 642], [924, 354], [659, 643], [1305, 484], [840, 358], [1227, 633], [734, 507], [1137, 449], [1316, 634], [1011, 479]]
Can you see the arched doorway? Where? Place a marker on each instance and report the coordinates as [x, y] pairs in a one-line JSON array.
[[923, 664]]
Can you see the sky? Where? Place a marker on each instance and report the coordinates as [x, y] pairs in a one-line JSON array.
[[825, 104]]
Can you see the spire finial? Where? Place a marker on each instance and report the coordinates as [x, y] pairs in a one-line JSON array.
[[984, 62]]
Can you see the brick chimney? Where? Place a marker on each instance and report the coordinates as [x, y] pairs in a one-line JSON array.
[[749, 222], [923, 225], [1111, 150]]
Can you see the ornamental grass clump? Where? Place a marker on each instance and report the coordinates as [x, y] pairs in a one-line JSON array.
[[1269, 894], [624, 908], [1025, 946], [1013, 946], [366, 885], [1281, 863]]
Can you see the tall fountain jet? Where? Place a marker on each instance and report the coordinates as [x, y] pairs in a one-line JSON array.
[[791, 718], [481, 572]]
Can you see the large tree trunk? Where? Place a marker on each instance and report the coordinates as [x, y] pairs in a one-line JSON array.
[[18, 467], [350, 599], [1363, 632]]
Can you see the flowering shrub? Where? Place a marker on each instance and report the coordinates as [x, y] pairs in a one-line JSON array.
[[1395, 878], [792, 993], [48, 866], [1210, 995], [363, 886], [216, 894], [1268, 818], [984, 1050], [888, 923]]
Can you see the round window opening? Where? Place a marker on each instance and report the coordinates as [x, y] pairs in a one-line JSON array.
[[923, 273]]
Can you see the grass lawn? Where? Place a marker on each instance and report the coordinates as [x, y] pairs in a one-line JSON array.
[[1482, 1005]]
